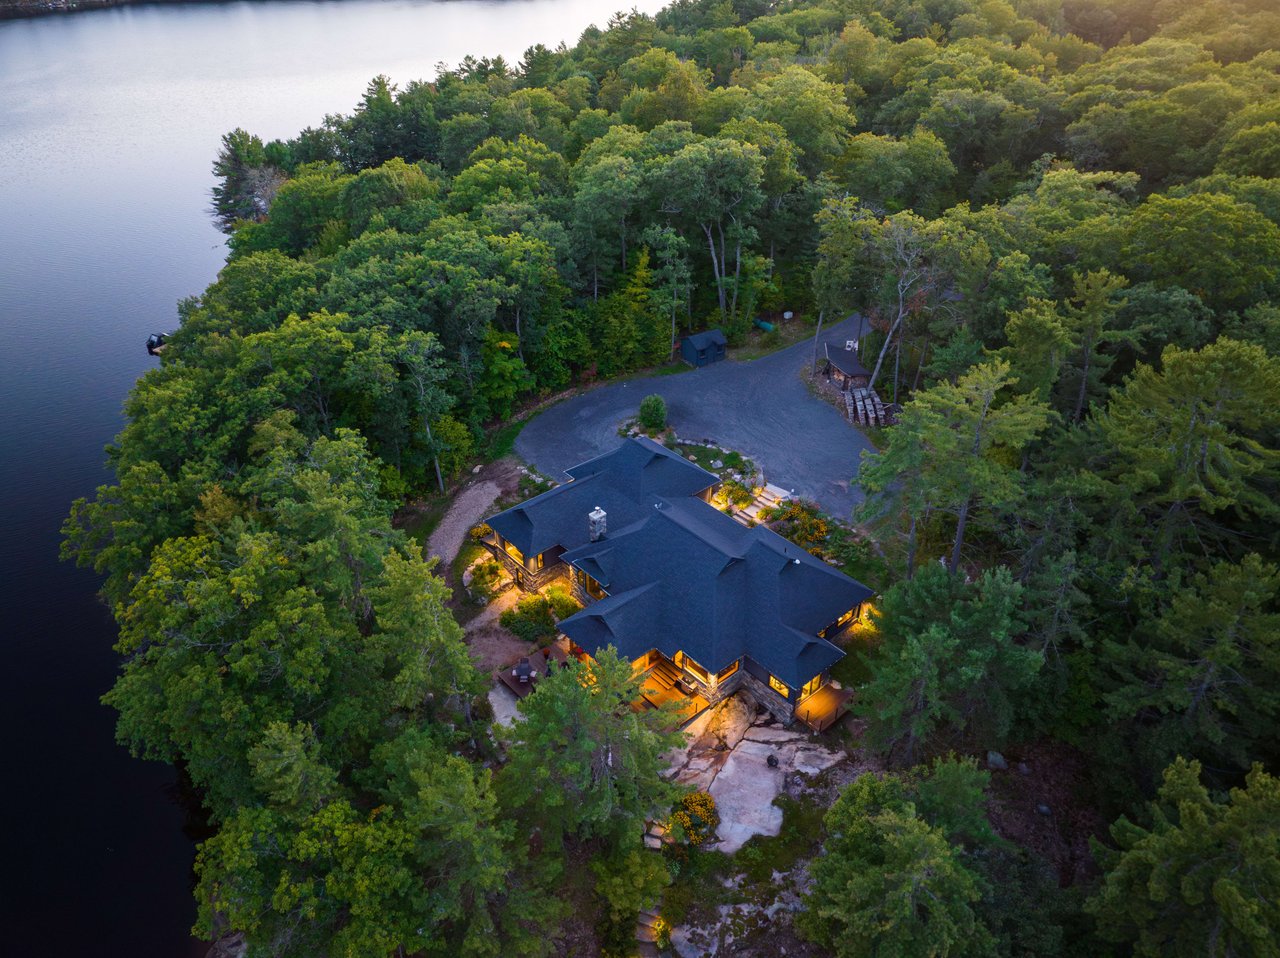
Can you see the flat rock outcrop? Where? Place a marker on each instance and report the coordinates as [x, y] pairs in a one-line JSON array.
[[728, 755]]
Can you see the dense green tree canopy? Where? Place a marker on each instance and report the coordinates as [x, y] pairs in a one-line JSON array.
[[1058, 225]]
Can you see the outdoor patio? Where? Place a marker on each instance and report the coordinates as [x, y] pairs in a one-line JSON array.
[[661, 686]]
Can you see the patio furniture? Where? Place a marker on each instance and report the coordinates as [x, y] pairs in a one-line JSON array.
[[524, 671]]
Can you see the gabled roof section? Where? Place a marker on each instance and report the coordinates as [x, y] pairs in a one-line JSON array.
[[725, 591], [641, 467], [844, 359], [620, 482], [616, 620], [712, 337], [680, 574]]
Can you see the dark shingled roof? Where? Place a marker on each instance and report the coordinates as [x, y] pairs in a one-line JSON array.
[[617, 482], [681, 575], [712, 337], [845, 360]]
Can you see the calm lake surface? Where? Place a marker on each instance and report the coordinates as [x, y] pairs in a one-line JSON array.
[[109, 122]]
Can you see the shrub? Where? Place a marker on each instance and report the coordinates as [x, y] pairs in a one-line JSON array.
[[653, 412], [484, 577], [802, 524], [735, 493], [697, 817], [478, 532], [531, 619], [562, 603], [534, 617]]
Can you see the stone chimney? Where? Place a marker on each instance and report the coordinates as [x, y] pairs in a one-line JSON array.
[[596, 523]]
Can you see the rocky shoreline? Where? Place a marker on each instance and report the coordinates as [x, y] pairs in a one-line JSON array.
[[20, 9]]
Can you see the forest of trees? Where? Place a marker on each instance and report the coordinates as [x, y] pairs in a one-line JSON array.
[[1061, 222]]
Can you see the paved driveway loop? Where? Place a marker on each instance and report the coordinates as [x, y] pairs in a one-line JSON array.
[[760, 408]]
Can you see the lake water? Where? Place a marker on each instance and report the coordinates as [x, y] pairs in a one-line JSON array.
[[109, 121]]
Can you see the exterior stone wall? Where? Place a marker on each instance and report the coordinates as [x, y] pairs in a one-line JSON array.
[[529, 581], [780, 708]]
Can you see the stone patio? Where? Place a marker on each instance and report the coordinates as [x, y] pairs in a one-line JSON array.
[[728, 753]]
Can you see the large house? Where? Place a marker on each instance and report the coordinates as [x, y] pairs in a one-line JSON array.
[[700, 602]]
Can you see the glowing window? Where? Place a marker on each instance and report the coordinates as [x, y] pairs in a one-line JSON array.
[[727, 671], [693, 668], [513, 551], [812, 685], [594, 589], [779, 686]]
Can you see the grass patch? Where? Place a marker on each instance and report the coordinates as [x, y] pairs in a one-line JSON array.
[[527, 488], [468, 608], [851, 671], [501, 441], [697, 886], [758, 343], [733, 461], [425, 515], [670, 369], [798, 840], [878, 436]]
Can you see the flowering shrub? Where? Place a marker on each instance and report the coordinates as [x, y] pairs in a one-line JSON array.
[[802, 524], [697, 817]]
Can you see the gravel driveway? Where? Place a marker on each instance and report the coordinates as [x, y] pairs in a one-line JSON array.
[[760, 408]]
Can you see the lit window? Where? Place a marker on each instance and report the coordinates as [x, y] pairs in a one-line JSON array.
[[513, 551], [779, 686], [693, 668], [812, 685], [592, 587], [727, 671]]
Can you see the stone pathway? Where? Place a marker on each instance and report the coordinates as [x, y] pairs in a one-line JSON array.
[[728, 756]]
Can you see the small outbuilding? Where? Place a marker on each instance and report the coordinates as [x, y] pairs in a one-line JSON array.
[[703, 349], [843, 366]]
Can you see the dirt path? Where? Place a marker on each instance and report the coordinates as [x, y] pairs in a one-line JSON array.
[[471, 505], [491, 645]]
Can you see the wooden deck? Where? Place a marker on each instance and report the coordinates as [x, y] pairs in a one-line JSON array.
[[661, 687], [824, 707], [539, 660]]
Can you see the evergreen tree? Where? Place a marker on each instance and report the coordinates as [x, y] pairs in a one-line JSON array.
[[1203, 878], [583, 763], [1205, 678], [947, 660], [887, 883]]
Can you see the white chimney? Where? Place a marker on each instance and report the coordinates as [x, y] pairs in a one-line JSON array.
[[596, 523]]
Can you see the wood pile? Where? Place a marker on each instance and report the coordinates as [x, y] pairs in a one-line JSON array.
[[866, 409]]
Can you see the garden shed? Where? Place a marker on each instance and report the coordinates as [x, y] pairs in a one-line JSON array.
[[703, 349]]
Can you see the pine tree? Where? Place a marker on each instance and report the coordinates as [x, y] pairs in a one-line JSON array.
[[1203, 881]]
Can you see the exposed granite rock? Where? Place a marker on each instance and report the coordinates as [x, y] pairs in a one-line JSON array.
[[744, 759], [232, 946]]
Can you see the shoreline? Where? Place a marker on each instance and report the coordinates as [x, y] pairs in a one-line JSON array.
[[27, 9], [30, 9]]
